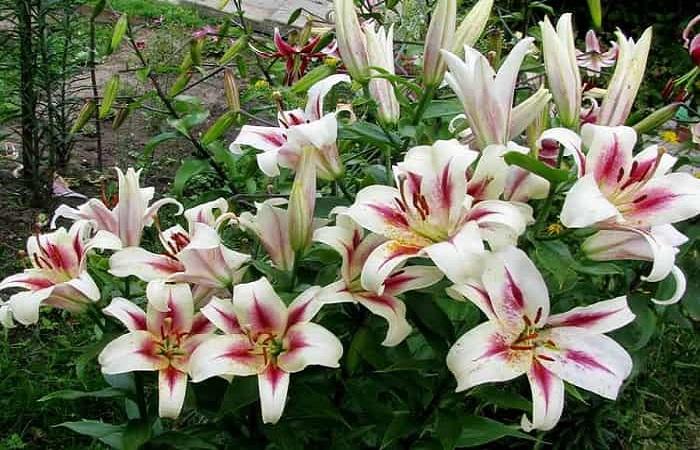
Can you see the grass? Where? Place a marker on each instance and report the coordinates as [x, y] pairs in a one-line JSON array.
[[153, 9]]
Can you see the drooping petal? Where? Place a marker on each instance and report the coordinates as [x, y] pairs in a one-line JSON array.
[[375, 208], [679, 290], [571, 142], [25, 305], [501, 223], [220, 312], [483, 355], [527, 111], [259, 308], [172, 386], [475, 292], [143, 264], [128, 313], [271, 226], [593, 362], [600, 317], [460, 257], [382, 262], [131, 352], [264, 139], [32, 279], [547, 398], [392, 310], [205, 213], [586, 205], [232, 354], [516, 288], [317, 93], [307, 343], [273, 385]]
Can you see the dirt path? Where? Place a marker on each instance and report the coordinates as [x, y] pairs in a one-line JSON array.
[[277, 11]]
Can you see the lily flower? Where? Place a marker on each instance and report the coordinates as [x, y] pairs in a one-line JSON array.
[[442, 35], [521, 337], [125, 218], [431, 215], [487, 96], [352, 44], [161, 339], [594, 59], [494, 179], [380, 46], [271, 226], [58, 276], [298, 57], [283, 145], [634, 195], [6, 319], [264, 337], [196, 256], [350, 241], [625, 82], [562, 68]]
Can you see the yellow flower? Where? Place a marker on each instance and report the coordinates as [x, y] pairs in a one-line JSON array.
[[261, 84], [669, 136], [554, 229]]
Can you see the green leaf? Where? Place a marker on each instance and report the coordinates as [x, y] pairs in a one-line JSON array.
[[429, 316], [324, 205], [118, 34], [636, 335], [221, 126], [401, 425], [110, 94], [366, 133], [106, 432], [497, 396], [448, 430], [234, 50], [154, 142], [294, 16], [69, 394], [242, 391], [359, 342], [181, 441], [137, 433], [537, 167], [188, 169], [443, 108], [189, 121], [478, 431]]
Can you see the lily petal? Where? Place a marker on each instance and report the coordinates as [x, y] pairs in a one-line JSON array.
[[172, 386], [586, 205], [135, 351], [307, 343], [231, 354], [547, 398], [220, 312], [259, 308], [600, 317], [273, 385], [392, 310], [382, 262], [143, 264], [459, 258], [127, 313]]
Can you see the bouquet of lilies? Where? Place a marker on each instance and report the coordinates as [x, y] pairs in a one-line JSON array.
[[472, 246]]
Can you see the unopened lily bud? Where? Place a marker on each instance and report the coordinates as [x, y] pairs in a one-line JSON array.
[[234, 50], [302, 201], [657, 118], [351, 40], [380, 46], [694, 50], [472, 26], [120, 117], [440, 36], [180, 83], [233, 99], [86, 112]]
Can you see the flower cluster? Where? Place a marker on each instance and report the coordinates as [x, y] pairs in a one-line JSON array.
[[451, 208]]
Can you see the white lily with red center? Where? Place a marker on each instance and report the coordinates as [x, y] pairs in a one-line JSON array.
[[521, 337], [161, 339], [487, 96], [431, 215], [127, 217], [594, 59], [196, 256], [632, 200], [298, 129], [264, 337], [349, 240], [58, 276], [626, 79]]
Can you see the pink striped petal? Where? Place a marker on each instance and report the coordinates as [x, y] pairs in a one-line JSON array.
[[172, 386], [664, 199], [259, 308], [143, 264], [516, 288], [170, 308], [134, 351], [221, 313], [593, 362], [483, 355], [382, 262], [273, 385], [304, 307], [127, 313], [475, 292], [571, 142], [600, 317], [609, 156], [317, 93], [411, 278], [586, 205], [460, 257], [547, 398], [308, 343], [232, 354]]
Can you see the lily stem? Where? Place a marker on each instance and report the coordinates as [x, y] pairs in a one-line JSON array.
[[423, 104], [344, 189], [140, 394], [544, 212]]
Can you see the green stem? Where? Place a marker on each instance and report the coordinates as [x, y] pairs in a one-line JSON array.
[[544, 213], [344, 189], [140, 394], [423, 104]]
